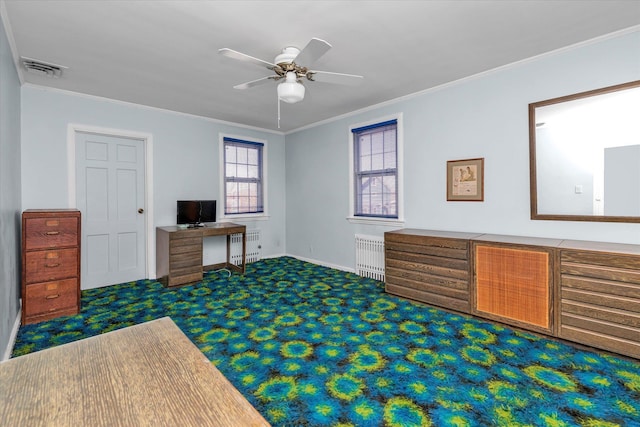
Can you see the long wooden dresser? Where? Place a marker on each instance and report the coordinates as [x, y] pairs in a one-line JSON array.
[[586, 292], [50, 264]]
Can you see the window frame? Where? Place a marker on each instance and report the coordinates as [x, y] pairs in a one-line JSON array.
[[239, 139], [372, 219]]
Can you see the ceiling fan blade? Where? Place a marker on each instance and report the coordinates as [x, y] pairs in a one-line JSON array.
[[312, 52], [230, 53], [253, 83], [339, 78]]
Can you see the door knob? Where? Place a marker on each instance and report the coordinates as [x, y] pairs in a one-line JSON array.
[[140, 210]]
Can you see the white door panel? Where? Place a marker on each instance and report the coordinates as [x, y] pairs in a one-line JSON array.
[[110, 191]]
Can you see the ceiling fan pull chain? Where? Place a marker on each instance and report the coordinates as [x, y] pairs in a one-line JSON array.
[[278, 112]]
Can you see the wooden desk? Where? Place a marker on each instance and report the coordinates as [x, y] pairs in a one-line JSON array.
[[179, 252], [144, 375]]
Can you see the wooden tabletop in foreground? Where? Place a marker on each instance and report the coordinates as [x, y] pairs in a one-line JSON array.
[[145, 375]]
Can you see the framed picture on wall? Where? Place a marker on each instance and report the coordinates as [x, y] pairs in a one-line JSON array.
[[465, 180]]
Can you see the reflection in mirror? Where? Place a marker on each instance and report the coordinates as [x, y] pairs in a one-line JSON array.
[[585, 156]]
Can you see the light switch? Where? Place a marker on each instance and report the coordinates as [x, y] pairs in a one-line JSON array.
[[578, 189]]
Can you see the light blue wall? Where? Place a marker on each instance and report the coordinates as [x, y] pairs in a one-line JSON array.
[[185, 157], [484, 116], [9, 193]]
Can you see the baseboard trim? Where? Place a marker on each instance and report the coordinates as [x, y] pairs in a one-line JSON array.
[[12, 337], [324, 264]]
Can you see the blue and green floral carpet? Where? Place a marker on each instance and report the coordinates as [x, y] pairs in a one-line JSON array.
[[312, 346]]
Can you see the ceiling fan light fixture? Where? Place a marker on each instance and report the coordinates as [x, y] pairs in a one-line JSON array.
[[291, 91]]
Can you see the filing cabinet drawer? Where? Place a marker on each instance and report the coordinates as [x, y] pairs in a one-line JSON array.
[[51, 296], [44, 233], [42, 266]]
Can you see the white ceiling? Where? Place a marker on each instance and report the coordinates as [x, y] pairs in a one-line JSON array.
[[164, 53]]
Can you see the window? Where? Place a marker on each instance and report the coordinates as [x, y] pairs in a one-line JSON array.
[[375, 170], [243, 177]]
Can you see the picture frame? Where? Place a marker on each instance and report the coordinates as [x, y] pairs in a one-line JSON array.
[[465, 180]]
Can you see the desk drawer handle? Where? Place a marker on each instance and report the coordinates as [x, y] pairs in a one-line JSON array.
[[52, 233], [52, 296], [52, 265]]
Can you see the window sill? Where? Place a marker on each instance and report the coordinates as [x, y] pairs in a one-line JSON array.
[[245, 217], [388, 222]]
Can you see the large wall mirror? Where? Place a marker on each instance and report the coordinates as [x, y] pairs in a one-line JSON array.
[[584, 152]]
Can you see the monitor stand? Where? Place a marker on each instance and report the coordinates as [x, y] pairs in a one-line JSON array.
[[196, 225]]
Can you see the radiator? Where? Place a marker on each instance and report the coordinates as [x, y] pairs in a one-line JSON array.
[[370, 256], [254, 247]]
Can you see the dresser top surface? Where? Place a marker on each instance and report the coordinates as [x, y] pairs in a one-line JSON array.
[[601, 246], [518, 240], [435, 233]]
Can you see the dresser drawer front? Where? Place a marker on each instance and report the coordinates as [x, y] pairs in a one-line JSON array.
[[43, 266], [43, 233], [51, 296]]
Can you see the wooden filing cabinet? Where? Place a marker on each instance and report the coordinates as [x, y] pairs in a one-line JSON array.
[[50, 264]]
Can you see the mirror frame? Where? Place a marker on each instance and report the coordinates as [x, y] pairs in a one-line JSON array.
[[532, 157]]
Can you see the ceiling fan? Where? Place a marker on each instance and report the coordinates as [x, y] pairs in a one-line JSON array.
[[291, 66]]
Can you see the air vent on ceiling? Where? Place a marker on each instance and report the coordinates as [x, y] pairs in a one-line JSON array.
[[42, 68]]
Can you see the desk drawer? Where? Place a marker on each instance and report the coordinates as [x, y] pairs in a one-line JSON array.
[[43, 233], [51, 296], [184, 260], [43, 266], [184, 276], [181, 246]]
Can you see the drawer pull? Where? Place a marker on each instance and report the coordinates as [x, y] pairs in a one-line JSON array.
[[52, 233], [52, 296], [52, 265]]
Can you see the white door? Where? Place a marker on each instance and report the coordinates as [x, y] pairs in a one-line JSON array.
[[110, 194]]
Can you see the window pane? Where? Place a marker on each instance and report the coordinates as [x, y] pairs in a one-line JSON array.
[[389, 203], [242, 171], [252, 158], [243, 204], [377, 143], [252, 172], [365, 163], [231, 170], [389, 183], [230, 154], [390, 140], [366, 204], [390, 160], [377, 162], [242, 155], [365, 145], [243, 189]]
